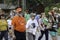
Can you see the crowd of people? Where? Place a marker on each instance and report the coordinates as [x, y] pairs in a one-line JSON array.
[[19, 26]]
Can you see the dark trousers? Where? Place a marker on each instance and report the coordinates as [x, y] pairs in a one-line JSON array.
[[4, 34], [33, 37], [42, 33], [20, 35]]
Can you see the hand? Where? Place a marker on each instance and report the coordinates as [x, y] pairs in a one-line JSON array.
[[14, 37], [37, 30]]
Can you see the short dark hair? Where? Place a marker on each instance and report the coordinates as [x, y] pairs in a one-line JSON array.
[[2, 15], [18, 7]]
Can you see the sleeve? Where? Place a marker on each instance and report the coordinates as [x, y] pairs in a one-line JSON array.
[[27, 24], [24, 21], [36, 23]]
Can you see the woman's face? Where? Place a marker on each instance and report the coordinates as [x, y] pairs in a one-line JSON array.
[[49, 13], [2, 17], [43, 15]]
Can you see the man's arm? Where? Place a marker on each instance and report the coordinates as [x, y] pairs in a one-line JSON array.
[[41, 24]]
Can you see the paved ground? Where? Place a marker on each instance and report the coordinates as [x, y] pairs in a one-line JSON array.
[[50, 38], [44, 37], [58, 37]]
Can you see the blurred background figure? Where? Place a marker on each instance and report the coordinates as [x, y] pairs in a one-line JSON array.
[[11, 35], [38, 17], [15, 12], [43, 22], [19, 23], [31, 27], [54, 26], [3, 28], [27, 15]]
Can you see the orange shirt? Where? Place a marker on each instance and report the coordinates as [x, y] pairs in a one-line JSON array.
[[19, 23]]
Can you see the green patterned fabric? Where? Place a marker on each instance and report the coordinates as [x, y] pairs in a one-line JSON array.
[[45, 21]]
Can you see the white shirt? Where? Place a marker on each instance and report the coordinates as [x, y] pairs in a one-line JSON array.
[[10, 30], [29, 26], [9, 23]]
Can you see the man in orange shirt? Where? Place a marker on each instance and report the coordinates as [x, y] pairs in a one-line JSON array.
[[18, 23]]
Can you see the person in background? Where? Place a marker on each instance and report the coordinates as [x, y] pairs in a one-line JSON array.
[[37, 17], [12, 13], [19, 23], [43, 22], [11, 35], [53, 30], [31, 27], [15, 12], [59, 18], [27, 15], [3, 28]]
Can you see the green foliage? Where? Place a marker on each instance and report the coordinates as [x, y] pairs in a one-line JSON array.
[[58, 5], [47, 10], [8, 1]]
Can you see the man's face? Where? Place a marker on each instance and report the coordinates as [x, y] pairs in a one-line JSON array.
[[33, 17], [26, 11], [19, 9]]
